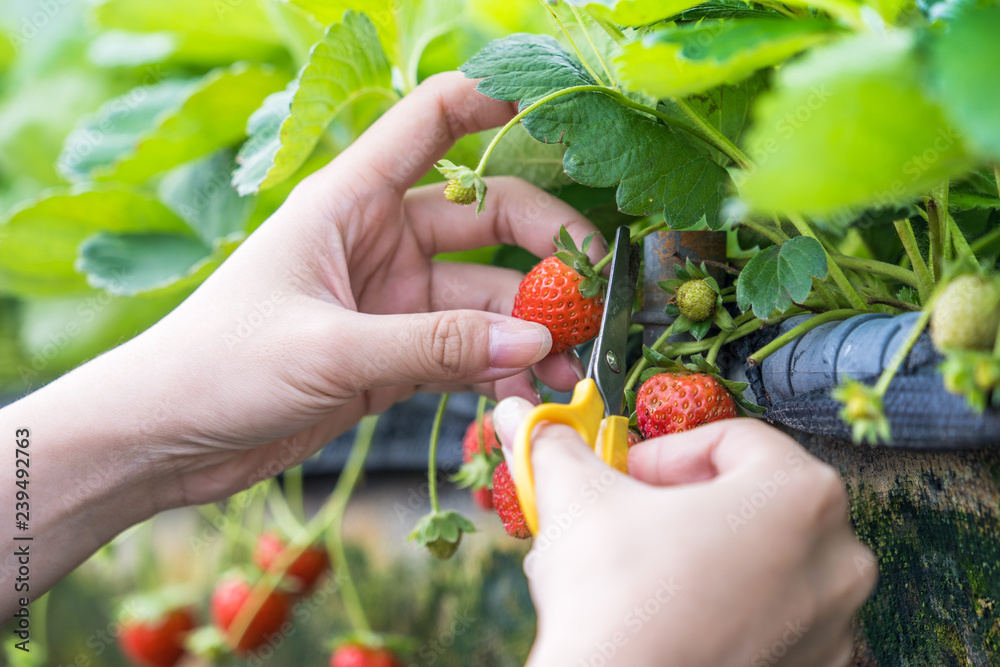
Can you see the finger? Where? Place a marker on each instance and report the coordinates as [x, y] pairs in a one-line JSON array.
[[664, 462], [448, 347], [730, 446], [407, 140], [562, 462], [517, 213], [560, 371], [455, 285]]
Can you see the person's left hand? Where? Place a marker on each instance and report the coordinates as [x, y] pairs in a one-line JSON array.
[[333, 309]]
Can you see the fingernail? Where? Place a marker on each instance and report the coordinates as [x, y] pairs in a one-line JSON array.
[[507, 417], [576, 363], [518, 344]]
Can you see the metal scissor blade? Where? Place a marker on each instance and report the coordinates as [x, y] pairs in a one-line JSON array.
[[607, 361]]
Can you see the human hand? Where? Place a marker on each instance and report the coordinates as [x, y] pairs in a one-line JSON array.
[[726, 544], [333, 309]]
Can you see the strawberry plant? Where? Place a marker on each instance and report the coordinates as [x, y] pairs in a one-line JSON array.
[[845, 147]]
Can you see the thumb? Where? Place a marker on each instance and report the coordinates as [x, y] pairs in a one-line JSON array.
[[564, 466], [453, 347]]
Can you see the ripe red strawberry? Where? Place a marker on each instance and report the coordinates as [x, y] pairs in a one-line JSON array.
[[675, 402], [229, 597], [634, 437], [355, 655], [508, 506], [158, 642], [550, 295], [564, 293], [482, 465], [304, 571]]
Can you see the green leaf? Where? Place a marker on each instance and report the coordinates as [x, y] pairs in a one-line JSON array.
[[700, 329], [40, 239], [635, 12], [606, 143], [127, 264], [692, 58], [205, 32], [518, 154], [849, 126], [348, 64], [121, 48], [153, 128], [963, 59], [381, 13], [780, 275], [200, 194]]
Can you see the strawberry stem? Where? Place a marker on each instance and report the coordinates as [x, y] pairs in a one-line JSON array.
[[897, 359], [802, 329], [838, 276], [432, 455], [335, 537], [480, 412], [572, 42], [715, 137], [590, 40], [713, 351], [641, 365], [925, 281], [330, 515]]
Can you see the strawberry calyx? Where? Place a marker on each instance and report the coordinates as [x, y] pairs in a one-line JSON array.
[[207, 642], [400, 645], [592, 283], [863, 411], [661, 363], [974, 374], [695, 301], [441, 532], [464, 186], [477, 473], [155, 605]]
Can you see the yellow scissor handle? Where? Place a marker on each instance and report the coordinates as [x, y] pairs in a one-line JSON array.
[[607, 436]]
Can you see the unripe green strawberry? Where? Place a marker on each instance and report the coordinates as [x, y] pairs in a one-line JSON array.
[[696, 300], [442, 548], [967, 314], [458, 193]]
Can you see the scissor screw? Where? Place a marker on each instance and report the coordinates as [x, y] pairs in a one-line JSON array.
[[612, 360]]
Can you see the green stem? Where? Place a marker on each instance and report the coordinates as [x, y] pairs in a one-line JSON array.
[[329, 516], [898, 304], [986, 240], [959, 243], [996, 177], [925, 281], [338, 503], [641, 365], [713, 351], [802, 329], [902, 352], [829, 300], [572, 42], [838, 276], [613, 31], [776, 236], [293, 491], [432, 455], [480, 412], [579, 19], [893, 271], [693, 347], [613, 94], [996, 345], [935, 231], [716, 138], [660, 226]]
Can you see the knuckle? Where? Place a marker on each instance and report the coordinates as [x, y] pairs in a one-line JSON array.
[[448, 349]]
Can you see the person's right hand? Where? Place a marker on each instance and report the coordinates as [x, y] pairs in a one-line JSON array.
[[728, 545]]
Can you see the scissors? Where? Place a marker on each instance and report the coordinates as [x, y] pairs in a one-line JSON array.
[[595, 411]]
